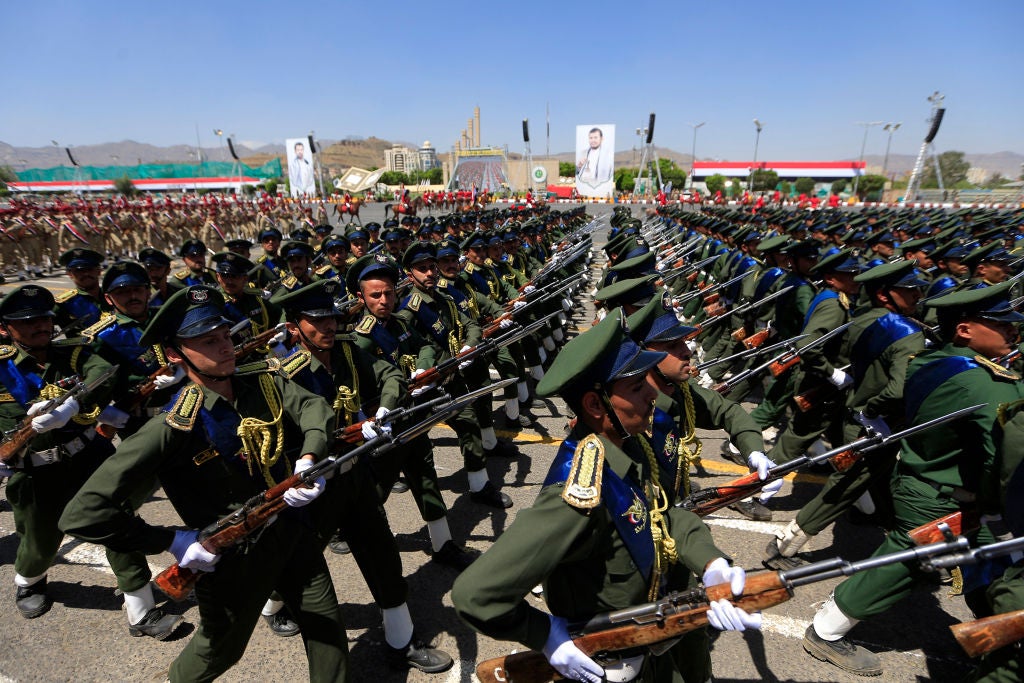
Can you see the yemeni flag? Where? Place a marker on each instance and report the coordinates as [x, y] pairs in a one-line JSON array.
[[70, 228]]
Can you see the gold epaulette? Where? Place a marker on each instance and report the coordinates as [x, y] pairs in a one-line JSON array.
[[996, 369], [64, 297], [182, 415], [289, 281], [182, 274], [8, 351], [323, 269], [257, 367], [365, 325], [583, 487], [414, 302], [442, 282], [295, 362], [105, 321], [470, 268]]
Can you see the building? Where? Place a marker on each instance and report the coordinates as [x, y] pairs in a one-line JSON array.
[[427, 156], [401, 158]]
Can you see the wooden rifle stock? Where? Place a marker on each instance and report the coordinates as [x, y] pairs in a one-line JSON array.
[[779, 367], [981, 636], [494, 327], [711, 299], [714, 310], [739, 334], [958, 524], [135, 398], [757, 339], [19, 438], [806, 400], [762, 590]]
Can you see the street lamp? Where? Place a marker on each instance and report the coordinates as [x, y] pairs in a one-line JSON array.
[[889, 128], [693, 151], [867, 126], [757, 140]]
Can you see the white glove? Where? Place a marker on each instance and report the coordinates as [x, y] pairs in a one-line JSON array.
[[840, 379], [567, 659], [726, 616], [384, 427], [369, 430], [567, 304], [516, 305], [191, 554], [529, 289], [298, 497], [759, 462], [420, 390], [466, 363], [55, 419], [113, 416], [278, 338], [164, 381], [506, 323], [872, 424], [723, 615]]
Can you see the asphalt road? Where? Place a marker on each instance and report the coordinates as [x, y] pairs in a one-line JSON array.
[[84, 636]]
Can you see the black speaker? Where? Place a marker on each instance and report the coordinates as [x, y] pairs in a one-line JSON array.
[[526, 130], [231, 147], [650, 129], [71, 158], [312, 147], [935, 125]]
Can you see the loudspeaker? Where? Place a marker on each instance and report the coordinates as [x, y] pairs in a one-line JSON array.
[[312, 147], [935, 125], [231, 147], [650, 129], [526, 130], [71, 158]]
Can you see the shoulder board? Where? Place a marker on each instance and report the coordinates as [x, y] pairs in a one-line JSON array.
[[8, 351], [470, 268], [258, 367], [289, 281], [295, 362], [105, 321], [182, 415], [583, 487], [182, 274], [365, 325], [64, 297], [996, 369], [323, 269], [414, 302], [74, 341], [443, 282]]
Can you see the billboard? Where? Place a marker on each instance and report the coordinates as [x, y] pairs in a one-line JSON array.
[[595, 160], [301, 176]]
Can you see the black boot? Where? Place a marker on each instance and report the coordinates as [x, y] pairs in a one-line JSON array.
[[419, 656], [282, 624], [32, 601], [156, 624]]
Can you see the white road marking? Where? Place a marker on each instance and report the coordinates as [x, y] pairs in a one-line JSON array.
[[768, 528]]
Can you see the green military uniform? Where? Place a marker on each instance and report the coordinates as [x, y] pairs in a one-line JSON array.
[[948, 468], [588, 536], [209, 462]]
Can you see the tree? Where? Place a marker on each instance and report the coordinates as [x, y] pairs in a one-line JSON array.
[[737, 188], [715, 183], [839, 186], [248, 190], [435, 176], [765, 180], [394, 178], [785, 188], [954, 170], [7, 175], [671, 173], [804, 186], [271, 187], [566, 169], [625, 179], [870, 187], [125, 186]]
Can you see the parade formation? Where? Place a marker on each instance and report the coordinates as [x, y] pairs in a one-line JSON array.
[[292, 382]]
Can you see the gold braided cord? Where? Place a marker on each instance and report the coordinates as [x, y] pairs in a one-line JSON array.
[[348, 398], [457, 333], [664, 545], [264, 441], [690, 445], [408, 363]]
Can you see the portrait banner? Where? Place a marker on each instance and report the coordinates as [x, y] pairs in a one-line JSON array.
[[595, 160]]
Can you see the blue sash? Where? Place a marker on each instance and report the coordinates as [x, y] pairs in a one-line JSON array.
[[124, 339], [873, 341], [742, 266], [665, 442], [941, 285], [24, 387], [619, 497], [82, 308], [819, 298], [930, 377], [386, 341], [768, 279], [431, 321]]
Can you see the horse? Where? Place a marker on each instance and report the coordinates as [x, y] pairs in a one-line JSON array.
[[352, 208], [406, 208]]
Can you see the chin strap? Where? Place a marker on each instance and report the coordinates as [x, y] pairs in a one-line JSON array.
[[612, 415], [310, 343], [196, 370]]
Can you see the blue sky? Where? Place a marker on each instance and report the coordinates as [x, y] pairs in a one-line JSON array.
[[101, 71]]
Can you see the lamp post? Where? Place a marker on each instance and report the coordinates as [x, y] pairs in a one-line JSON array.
[[889, 128], [220, 135], [757, 140], [693, 150], [867, 126]]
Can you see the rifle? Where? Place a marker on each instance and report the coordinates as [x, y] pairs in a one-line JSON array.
[[791, 358], [739, 310], [982, 636], [659, 624], [494, 326], [256, 341], [786, 343], [135, 397], [449, 366], [956, 522], [17, 439], [805, 401], [708, 500], [353, 433], [678, 301], [177, 582]]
